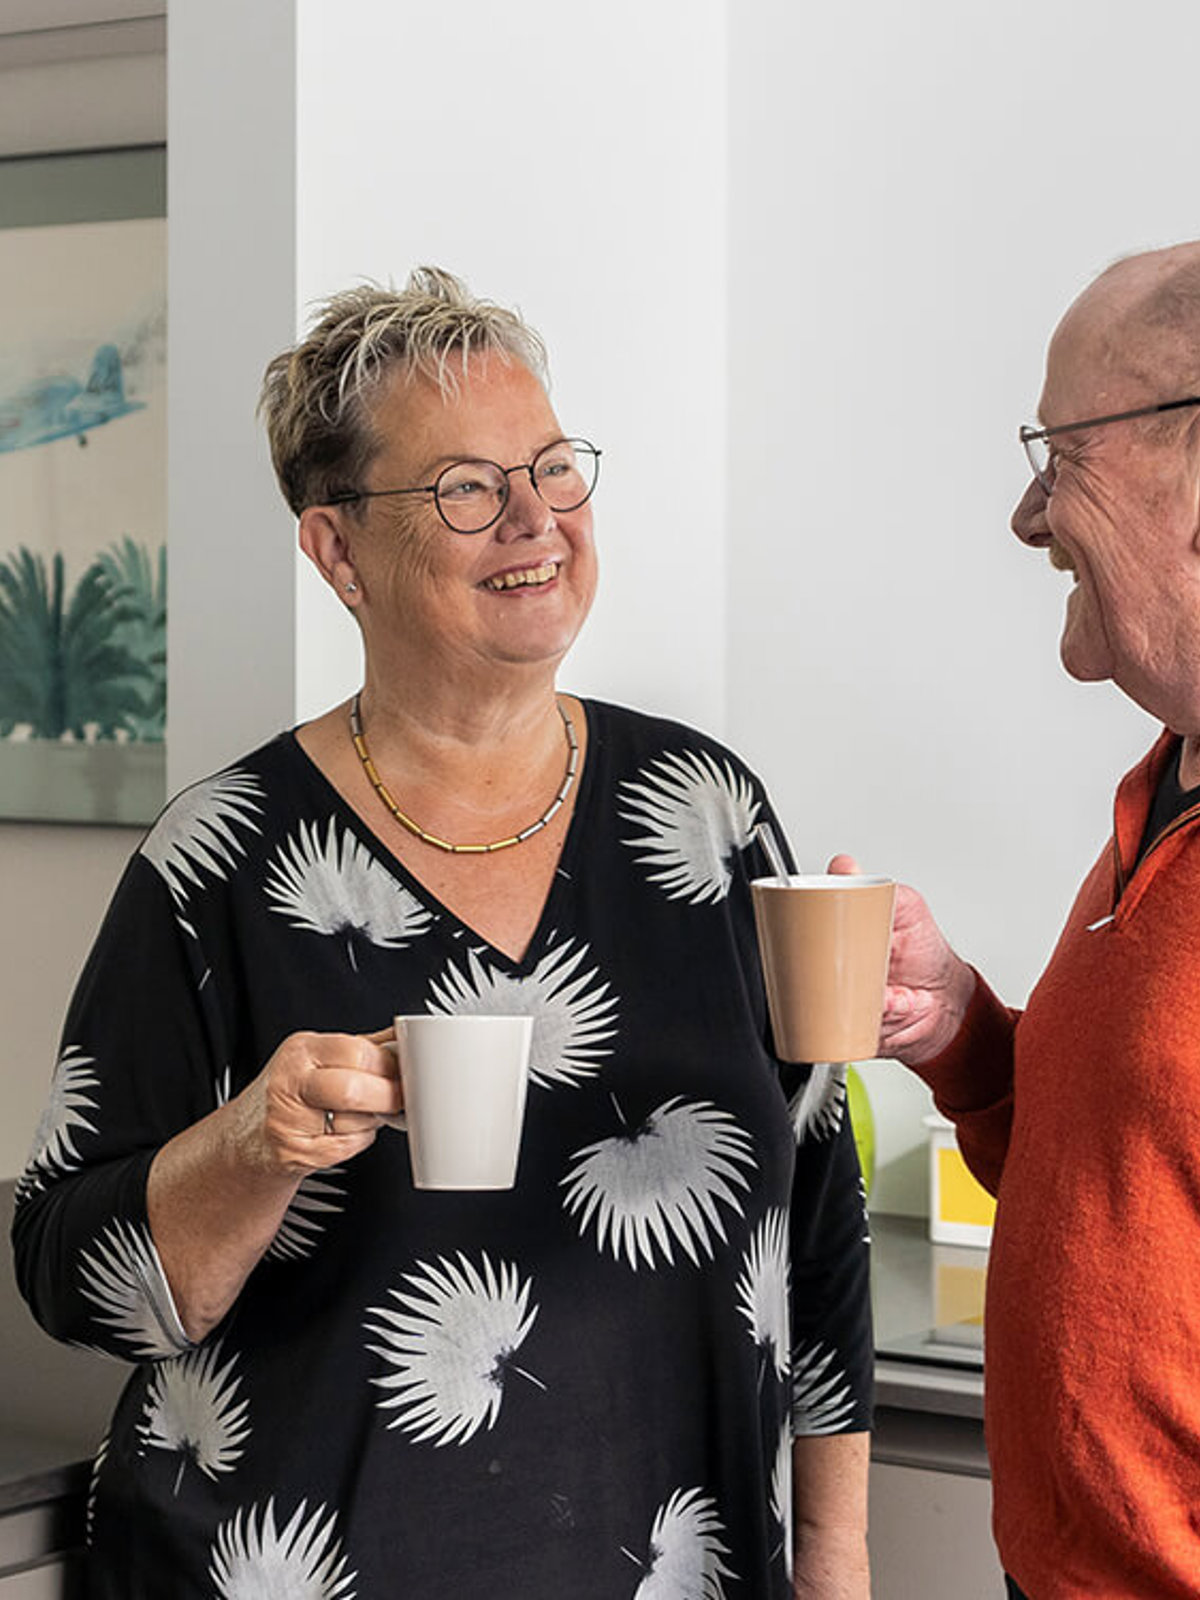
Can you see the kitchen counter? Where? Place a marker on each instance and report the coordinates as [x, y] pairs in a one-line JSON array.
[[928, 1306]]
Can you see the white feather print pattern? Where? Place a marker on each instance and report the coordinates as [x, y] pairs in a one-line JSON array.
[[450, 1342], [93, 1485], [198, 833], [781, 1494], [660, 1184], [685, 1557], [695, 812], [192, 1408], [338, 888], [123, 1278], [321, 1195], [822, 1401], [575, 1015], [54, 1151], [818, 1106], [762, 1290], [253, 1559]]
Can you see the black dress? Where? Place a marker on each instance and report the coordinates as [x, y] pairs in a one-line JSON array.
[[582, 1387]]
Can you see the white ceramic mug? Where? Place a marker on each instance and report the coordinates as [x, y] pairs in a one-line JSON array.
[[464, 1081]]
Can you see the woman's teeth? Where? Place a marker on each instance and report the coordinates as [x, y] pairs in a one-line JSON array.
[[531, 577]]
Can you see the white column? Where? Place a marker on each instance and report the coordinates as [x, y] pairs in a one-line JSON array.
[[232, 299]]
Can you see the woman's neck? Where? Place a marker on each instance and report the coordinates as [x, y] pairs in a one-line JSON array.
[[486, 754]]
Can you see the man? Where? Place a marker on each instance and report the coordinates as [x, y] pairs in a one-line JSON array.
[[1083, 1112]]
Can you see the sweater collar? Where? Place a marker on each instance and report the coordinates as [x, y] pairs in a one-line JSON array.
[[1135, 793]]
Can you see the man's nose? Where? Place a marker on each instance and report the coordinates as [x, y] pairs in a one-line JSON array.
[[1028, 520]]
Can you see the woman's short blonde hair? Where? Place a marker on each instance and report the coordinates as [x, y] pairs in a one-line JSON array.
[[316, 398]]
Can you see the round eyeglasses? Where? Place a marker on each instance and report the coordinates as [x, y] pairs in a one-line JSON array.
[[472, 495]]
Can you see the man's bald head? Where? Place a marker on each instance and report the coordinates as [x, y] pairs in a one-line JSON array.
[[1141, 318]]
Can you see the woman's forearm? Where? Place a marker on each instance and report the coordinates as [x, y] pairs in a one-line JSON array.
[[218, 1191], [212, 1217], [829, 1493]]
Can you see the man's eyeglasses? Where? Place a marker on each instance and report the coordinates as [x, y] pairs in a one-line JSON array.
[[1041, 457], [471, 495]]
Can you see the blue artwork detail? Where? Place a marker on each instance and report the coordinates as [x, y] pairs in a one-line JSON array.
[[59, 407]]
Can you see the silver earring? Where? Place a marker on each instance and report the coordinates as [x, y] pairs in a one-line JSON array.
[[351, 588]]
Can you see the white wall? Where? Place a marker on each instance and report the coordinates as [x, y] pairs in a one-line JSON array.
[[575, 164], [582, 178], [916, 194]]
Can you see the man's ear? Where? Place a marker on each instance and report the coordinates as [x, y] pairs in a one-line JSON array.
[[323, 540]]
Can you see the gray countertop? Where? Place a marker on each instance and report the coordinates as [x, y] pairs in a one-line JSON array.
[[928, 1307]]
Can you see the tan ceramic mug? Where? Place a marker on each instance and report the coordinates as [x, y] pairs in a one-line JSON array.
[[824, 940]]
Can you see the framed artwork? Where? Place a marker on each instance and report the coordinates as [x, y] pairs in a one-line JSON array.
[[83, 623]]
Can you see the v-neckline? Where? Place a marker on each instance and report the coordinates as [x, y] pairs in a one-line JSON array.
[[467, 936]]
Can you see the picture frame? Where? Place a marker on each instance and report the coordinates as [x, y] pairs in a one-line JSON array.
[[83, 624]]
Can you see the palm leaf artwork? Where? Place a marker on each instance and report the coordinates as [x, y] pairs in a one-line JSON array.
[[762, 1290], [253, 1559], [64, 670], [695, 812], [781, 1496], [137, 582], [192, 1409], [122, 1277], [339, 889], [818, 1106], [661, 1184], [684, 1560], [574, 1010], [822, 1400], [200, 833], [63, 1120], [449, 1341], [321, 1196]]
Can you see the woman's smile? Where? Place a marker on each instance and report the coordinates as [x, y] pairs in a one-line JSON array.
[[517, 578]]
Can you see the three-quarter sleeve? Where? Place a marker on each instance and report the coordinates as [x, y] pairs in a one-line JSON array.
[[136, 1066]]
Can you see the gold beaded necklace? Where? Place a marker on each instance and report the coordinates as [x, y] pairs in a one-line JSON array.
[[384, 793]]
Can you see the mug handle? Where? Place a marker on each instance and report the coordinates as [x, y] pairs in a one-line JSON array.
[[399, 1121]]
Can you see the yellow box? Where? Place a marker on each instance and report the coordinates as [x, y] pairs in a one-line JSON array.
[[958, 1288], [960, 1208]]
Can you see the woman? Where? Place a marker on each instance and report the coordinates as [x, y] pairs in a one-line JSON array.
[[347, 1387]]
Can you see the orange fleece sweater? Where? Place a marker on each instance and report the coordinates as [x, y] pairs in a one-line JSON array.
[[1082, 1114]]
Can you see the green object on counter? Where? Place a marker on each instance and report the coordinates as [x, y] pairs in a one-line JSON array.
[[862, 1120]]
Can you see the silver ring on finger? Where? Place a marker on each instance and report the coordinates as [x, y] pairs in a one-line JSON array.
[[329, 1127]]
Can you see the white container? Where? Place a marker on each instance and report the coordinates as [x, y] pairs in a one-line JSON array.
[[960, 1208]]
